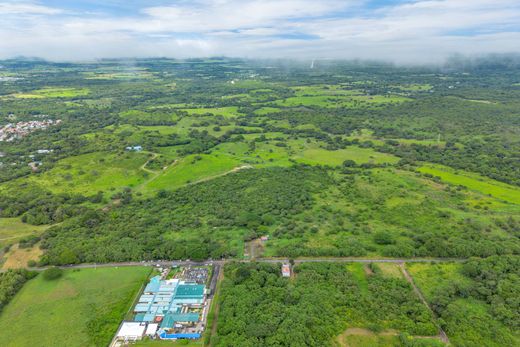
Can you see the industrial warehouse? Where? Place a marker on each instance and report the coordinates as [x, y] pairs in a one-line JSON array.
[[168, 308]]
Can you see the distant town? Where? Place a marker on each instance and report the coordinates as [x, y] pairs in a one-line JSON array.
[[15, 131]]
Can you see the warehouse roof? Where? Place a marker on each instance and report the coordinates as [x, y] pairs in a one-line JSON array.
[[170, 319], [189, 291]]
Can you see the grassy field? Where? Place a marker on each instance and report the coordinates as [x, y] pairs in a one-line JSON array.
[[13, 229], [82, 308], [192, 169], [474, 182], [332, 96], [337, 157], [230, 111], [53, 93], [93, 172]]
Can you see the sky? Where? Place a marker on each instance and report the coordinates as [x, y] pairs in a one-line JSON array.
[[402, 31]]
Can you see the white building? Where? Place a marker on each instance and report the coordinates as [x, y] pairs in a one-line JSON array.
[[131, 331]]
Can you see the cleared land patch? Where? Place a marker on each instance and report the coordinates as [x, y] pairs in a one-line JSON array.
[[89, 173], [53, 93], [88, 304], [13, 229], [475, 182]]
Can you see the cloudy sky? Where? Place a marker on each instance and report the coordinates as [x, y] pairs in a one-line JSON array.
[[396, 30]]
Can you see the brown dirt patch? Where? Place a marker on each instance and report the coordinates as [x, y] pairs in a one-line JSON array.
[[18, 257]]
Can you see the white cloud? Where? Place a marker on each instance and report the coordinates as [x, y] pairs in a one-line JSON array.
[[418, 31], [20, 8]]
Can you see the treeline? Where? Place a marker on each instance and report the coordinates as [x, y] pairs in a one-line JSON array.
[[260, 308], [37, 206], [11, 282]]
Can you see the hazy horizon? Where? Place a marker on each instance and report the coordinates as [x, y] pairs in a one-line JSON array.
[[398, 31]]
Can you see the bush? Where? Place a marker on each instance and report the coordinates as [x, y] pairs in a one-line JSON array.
[[52, 273]]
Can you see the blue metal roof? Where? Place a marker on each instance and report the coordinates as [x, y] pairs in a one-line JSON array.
[[153, 285], [180, 336]]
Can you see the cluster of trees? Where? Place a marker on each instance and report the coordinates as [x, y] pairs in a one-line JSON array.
[[37, 206], [497, 282], [260, 308], [482, 307], [11, 282], [197, 221]]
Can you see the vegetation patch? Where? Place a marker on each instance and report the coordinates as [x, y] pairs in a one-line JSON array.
[[88, 302], [53, 93], [474, 182], [321, 302]]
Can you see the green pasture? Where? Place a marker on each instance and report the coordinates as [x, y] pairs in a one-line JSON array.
[[13, 229], [415, 87], [53, 93], [229, 111], [191, 169], [359, 155], [93, 172], [474, 182], [82, 308]]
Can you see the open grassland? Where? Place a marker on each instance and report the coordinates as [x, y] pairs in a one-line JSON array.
[[93, 172], [334, 158], [53, 93], [137, 74], [365, 338], [332, 96], [192, 169], [83, 308], [13, 229], [230, 111], [474, 182]]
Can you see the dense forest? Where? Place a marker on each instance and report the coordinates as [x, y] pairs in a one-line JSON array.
[[260, 308]]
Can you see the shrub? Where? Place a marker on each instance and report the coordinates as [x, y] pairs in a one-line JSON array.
[[52, 273]]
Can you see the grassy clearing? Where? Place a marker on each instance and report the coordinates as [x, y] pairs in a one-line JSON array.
[[369, 340], [262, 111], [474, 182], [89, 173], [13, 229], [53, 93], [117, 75], [82, 308], [230, 111], [191, 169], [331, 96], [334, 158], [390, 270], [415, 87]]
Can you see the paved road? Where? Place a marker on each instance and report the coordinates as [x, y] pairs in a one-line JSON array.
[[165, 263]]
